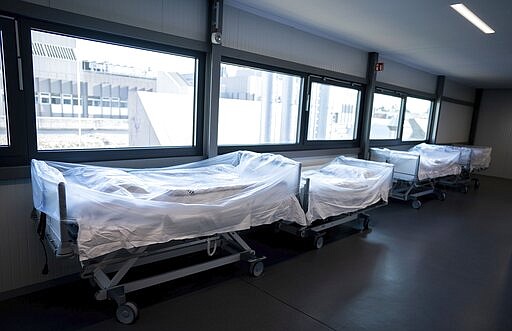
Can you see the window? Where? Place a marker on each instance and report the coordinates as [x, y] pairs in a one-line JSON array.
[[416, 120], [258, 106], [45, 98], [385, 116], [332, 112], [4, 127], [55, 100], [159, 89]]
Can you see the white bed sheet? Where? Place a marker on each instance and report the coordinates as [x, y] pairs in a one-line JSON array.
[[346, 185], [125, 208]]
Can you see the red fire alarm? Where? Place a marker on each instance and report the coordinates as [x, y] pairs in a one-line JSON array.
[[379, 66]]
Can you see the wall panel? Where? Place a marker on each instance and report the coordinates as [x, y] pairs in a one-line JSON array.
[[184, 18], [252, 33], [458, 91], [454, 123], [494, 128], [401, 75]]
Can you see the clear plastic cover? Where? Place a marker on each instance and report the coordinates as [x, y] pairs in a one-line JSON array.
[[480, 157], [125, 208], [436, 162], [346, 185]]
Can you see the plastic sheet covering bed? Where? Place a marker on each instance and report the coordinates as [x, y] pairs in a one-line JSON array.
[[125, 208], [436, 162], [346, 185], [480, 156]]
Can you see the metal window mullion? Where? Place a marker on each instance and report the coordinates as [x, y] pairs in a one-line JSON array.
[[401, 120]]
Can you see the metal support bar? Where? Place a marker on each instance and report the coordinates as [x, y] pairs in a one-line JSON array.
[[111, 287], [314, 230], [240, 242], [474, 118], [333, 223], [124, 270], [112, 263], [212, 88], [371, 79], [304, 201], [168, 276], [437, 110], [101, 278]]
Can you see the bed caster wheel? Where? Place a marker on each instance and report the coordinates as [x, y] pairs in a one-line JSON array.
[[441, 196], [256, 269], [416, 204], [465, 189], [318, 242], [477, 184], [127, 313]]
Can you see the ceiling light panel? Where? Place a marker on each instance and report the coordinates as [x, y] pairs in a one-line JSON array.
[[470, 16]]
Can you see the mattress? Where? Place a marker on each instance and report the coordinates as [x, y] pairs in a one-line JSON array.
[[125, 208], [346, 185]]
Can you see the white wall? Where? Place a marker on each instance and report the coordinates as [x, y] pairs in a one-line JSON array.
[[454, 123], [252, 33], [458, 91], [21, 253], [494, 128], [184, 18], [401, 75]]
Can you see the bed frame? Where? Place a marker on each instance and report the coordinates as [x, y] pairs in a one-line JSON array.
[[315, 232], [107, 272], [463, 180], [406, 184]]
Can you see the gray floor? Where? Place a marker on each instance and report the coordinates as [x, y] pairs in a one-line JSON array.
[[447, 266]]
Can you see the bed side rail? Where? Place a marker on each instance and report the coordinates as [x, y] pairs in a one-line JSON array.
[[406, 165]]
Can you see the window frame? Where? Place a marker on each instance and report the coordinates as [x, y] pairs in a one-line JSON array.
[[339, 143], [222, 149], [16, 153], [429, 120], [403, 94], [127, 153], [302, 143]]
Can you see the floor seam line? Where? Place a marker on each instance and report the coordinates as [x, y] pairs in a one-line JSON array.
[[288, 305]]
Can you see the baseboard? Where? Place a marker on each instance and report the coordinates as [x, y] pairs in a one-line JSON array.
[[39, 286]]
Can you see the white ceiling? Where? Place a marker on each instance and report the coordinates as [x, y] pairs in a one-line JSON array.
[[425, 34]]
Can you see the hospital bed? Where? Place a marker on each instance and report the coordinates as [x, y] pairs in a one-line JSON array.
[[116, 219], [480, 160], [471, 160], [416, 171], [340, 192]]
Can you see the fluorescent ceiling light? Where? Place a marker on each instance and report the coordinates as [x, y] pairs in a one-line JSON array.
[[470, 16]]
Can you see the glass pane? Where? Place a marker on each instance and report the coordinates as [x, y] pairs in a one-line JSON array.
[[98, 95], [385, 117], [4, 129], [332, 112], [257, 106], [417, 114]]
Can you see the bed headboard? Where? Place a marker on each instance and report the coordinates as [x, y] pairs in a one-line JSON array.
[[406, 163]]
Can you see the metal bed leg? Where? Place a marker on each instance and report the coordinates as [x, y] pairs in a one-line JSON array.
[[256, 265], [365, 219]]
